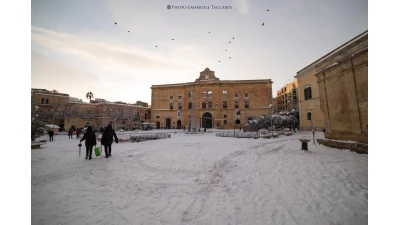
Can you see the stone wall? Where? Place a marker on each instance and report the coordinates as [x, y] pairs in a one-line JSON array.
[[343, 86], [312, 105], [354, 147]]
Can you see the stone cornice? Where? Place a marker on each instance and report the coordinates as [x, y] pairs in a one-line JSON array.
[[340, 62], [221, 82]]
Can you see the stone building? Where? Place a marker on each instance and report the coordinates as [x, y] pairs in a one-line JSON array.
[[343, 87], [47, 104], [121, 115], [210, 102], [310, 113], [286, 97], [62, 110]]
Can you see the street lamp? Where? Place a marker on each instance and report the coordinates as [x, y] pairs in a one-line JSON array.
[[272, 112], [294, 121], [313, 128]]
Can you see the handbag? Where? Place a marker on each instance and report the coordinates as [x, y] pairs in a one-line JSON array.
[[97, 151]]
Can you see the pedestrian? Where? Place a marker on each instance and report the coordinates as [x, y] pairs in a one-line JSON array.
[[90, 141], [51, 133], [70, 132], [78, 132], [107, 139]]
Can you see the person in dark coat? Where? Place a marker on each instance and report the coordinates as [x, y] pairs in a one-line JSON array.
[[51, 134], [70, 132], [78, 133], [90, 138], [107, 139]]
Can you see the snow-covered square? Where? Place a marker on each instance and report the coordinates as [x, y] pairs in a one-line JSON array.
[[200, 179]]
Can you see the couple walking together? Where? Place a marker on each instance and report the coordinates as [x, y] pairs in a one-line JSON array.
[[106, 140]]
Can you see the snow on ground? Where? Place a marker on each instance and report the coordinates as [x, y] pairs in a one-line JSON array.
[[200, 179]]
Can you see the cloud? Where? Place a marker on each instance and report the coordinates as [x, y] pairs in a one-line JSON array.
[[52, 74], [102, 53], [243, 6]]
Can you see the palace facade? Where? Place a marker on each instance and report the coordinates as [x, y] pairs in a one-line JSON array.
[[64, 111], [209, 102]]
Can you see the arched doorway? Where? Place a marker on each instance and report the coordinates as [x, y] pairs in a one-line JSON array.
[[158, 125], [61, 125], [237, 122], [178, 124], [206, 120], [168, 123]]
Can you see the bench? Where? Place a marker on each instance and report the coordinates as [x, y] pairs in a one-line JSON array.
[[304, 144]]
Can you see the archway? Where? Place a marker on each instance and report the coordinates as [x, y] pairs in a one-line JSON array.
[[206, 120], [61, 125], [158, 125], [168, 123], [178, 124]]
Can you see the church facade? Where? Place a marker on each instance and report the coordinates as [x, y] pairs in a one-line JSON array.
[[209, 102]]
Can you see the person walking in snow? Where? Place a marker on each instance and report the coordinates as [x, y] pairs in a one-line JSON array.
[[107, 139], [50, 133], [70, 132], [90, 140], [78, 132]]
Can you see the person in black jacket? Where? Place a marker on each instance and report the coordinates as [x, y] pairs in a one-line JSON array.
[[90, 138], [107, 139], [51, 134]]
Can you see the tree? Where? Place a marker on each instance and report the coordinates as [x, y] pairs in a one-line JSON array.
[[89, 95]]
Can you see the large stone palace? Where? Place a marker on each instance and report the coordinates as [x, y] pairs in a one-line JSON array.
[[210, 102]]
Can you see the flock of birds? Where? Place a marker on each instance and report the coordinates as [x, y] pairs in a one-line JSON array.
[[208, 33]]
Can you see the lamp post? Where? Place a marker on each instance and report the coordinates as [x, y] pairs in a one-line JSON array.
[[272, 112], [294, 121], [313, 129]]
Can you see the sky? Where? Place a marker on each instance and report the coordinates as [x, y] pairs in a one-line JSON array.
[[76, 46]]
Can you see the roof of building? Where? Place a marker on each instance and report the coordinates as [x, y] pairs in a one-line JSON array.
[[47, 92], [214, 82]]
